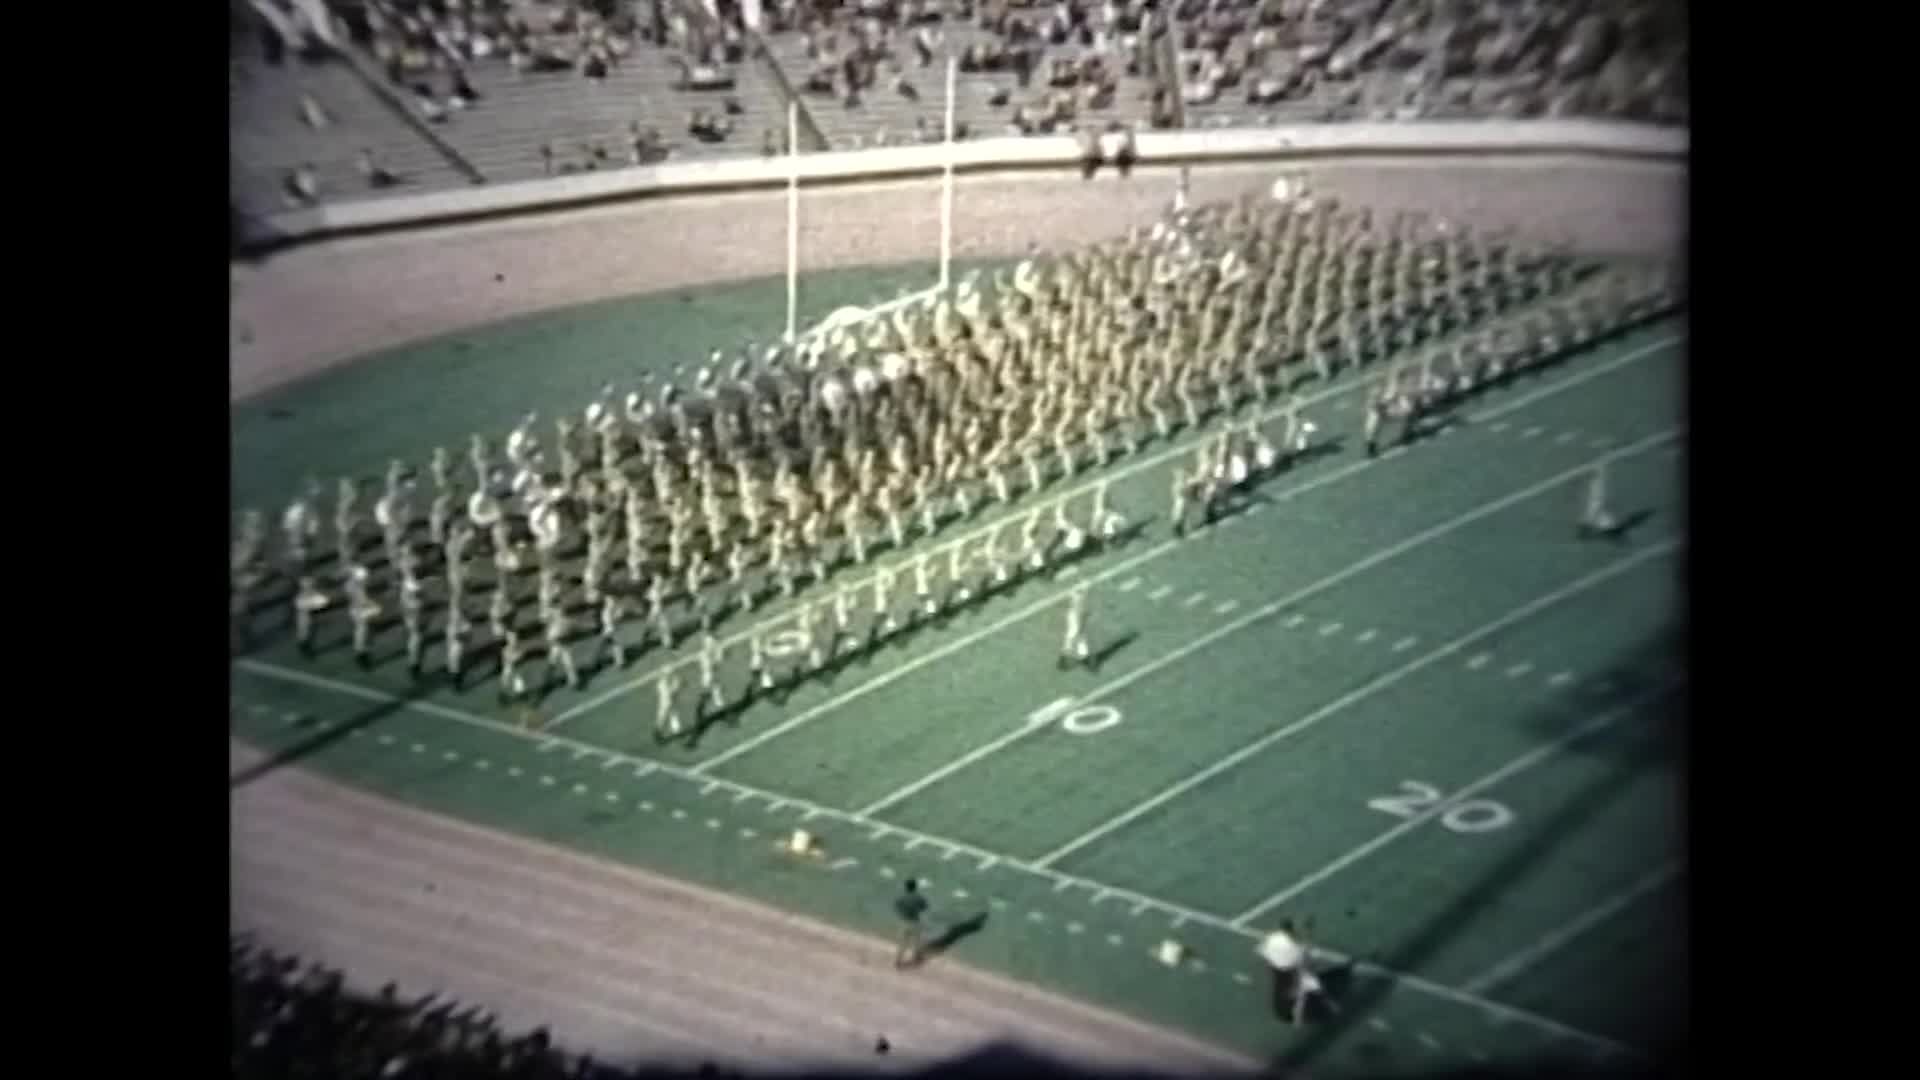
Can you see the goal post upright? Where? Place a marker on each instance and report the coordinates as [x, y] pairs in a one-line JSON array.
[[946, 182], [793, 221]]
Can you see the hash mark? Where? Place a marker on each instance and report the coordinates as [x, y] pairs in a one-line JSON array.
[[1196, 598], [748, 833], [513, 770], [1294, 620], [1429, 1041], [1479, 661], [451, 755], [612, 797], [1115, 939], [545, 780], [1532, 432], [1405, 643], [1130, 584], [1102, 895], [989, 862], [959, 894], [1225, 606], [708, 790], [1499, 427], [879, 832], [1366, 635], [579, 789], [842, 864], [951, 852], [1566, 437], [1378, 1024], [915, 842], [483, 764], [1037, 916], [1331, 629], [612, 760], [1063, 885], [550, 744], [1241, 978], [1074, 928], [1138, 908], [1518, 670], [886, 872], [647, 805], [1560, 678], [994, 901], [679, 814], [713, 823], [419, 748], [579, 753], [1160, 593]]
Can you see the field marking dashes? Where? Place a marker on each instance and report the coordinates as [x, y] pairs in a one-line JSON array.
[[846, 863], [1560, 678], [1533, 432], [1225, 606], [1194, 600], [1513, 768], [907, 667], [1499, 426], [1519, 670], [450, 755], [1294, 620], [1406, 643], [1160, 593], [579, 789], [1565, 437], [1366, 635], [483, 764], [1175, 790], [1331, 629], [418, 748], [546, 781], [1478, 661], [1130, 584]]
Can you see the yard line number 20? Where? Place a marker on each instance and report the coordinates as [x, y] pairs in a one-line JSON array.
[[1420, 800]]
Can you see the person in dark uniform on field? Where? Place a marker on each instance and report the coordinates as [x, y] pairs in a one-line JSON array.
[[910, 906]]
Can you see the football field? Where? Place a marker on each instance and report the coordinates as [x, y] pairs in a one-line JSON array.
[[1396, 699]]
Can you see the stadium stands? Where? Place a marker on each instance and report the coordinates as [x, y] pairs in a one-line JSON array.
[[446, 92]]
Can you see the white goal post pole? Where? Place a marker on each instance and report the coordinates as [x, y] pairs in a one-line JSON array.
[[793, 221], [946, 187]]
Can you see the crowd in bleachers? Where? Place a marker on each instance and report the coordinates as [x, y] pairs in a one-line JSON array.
[[292, 1019], [512, 89]]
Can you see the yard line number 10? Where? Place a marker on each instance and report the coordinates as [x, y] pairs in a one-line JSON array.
[[1421, 801]]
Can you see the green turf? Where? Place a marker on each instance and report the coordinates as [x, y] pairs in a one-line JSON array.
[[1202, 670]]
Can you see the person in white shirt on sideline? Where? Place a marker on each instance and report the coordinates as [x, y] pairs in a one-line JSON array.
[[1294, 983]]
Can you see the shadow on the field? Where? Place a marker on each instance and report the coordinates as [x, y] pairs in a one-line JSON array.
[[1621, 531], [321, 740], [1644, 682], [956, 933], [1108, 651]]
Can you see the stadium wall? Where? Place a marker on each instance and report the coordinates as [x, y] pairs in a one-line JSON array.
[[341, 281]]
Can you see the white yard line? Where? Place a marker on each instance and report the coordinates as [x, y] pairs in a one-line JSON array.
[[986, 859], [1558, 939], [1504, 773], [1038, 722], [1375, 686], [908, 667], [1170, 453]]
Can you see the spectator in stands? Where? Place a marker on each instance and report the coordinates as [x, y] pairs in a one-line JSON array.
[[1090, 152], [302, 186], [376, 174], [312, 115]]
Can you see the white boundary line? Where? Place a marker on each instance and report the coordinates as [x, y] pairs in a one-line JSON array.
[[1108, 476], [1585, 921], [1370, 562], [1518, 614], [986, 858], [909, 666], [1504, 773]]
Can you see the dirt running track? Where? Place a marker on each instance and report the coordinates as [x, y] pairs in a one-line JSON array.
[[626, 964], [309, 308]]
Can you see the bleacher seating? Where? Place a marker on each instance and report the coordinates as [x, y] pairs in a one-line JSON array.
[[565, 85]]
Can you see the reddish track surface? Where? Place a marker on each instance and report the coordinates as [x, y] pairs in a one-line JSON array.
[[629, 965]]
